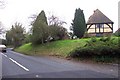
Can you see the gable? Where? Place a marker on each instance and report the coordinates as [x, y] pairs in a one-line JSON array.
[[98, 17]]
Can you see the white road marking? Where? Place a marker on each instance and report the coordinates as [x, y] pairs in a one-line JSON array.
[[4, 55], [37, 75], [19, 64]]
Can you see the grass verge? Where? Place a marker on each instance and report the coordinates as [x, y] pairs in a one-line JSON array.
[[58, 48], [65, 48]]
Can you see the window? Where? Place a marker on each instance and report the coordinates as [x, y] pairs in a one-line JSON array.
[[99, 25]]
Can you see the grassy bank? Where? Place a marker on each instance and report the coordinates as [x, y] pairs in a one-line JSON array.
[[61, 47], [86, 48]]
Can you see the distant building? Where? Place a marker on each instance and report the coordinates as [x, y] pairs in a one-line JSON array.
[[98, 24]]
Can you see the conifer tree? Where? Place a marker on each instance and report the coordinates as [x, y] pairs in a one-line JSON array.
[[40, 29], [79, 25]]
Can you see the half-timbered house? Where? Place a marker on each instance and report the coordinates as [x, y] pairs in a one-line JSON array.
[[98, 24]]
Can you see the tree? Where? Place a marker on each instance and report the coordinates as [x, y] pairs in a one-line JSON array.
[[2, 3], [2, 33], [9, 38], [40, 29], [79, 25], [27, 38], [53, 20], [57, 31], [33, 18], [1, 28], [16, 35]]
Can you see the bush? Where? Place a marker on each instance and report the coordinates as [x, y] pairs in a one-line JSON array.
[[105, 39], [93, 39], [82, 52], [117, 33], [96, 51], [102, 53], [57, 32], [99, 50], [103, 59]]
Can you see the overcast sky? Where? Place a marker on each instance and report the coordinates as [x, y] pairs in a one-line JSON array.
[[20, 10]]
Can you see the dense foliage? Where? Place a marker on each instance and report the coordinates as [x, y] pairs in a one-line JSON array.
[[40, 29], [42, 32], [15, 36], [27, 38], [98, 49], [57, 31], [79, 25]]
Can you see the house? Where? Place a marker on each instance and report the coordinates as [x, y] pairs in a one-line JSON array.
[[98, 24]]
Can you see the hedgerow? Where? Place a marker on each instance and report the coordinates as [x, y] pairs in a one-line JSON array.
[[103, 49]]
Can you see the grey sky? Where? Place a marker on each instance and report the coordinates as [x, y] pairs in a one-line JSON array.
[[20, 10]]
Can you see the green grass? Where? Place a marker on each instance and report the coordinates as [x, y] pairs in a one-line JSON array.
[[58, 48], [61, 47]]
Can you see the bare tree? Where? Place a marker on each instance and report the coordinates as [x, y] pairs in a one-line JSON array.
[[33, 17], [2, 4], [53, 20], [1, 28], [1, 32]]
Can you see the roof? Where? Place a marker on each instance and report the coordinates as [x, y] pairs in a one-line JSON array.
[[98, 17]]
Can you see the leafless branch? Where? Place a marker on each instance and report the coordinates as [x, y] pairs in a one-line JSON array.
[[55, 21], [2, 4]]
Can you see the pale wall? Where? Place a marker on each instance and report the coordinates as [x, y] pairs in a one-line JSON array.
[[106, 29]]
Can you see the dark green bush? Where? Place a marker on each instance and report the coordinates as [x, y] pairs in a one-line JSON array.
[[100, 50], [93, 39], [105, 39], [82, 52], [96, 51], [103, 59]]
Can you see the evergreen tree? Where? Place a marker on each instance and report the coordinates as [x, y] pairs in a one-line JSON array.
[[40, 29], [41, 17], [79, 25]]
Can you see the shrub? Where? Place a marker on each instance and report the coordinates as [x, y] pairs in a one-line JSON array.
[[103, 59], [105, 39], [96, 52], [93, 39], [101, 50], [82, 52]]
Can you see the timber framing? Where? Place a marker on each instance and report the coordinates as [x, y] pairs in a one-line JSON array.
[[99, 23]]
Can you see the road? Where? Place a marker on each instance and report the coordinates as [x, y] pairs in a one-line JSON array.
[[16, 65]]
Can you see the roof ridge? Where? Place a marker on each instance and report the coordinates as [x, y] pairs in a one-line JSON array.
[[98, 17]]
